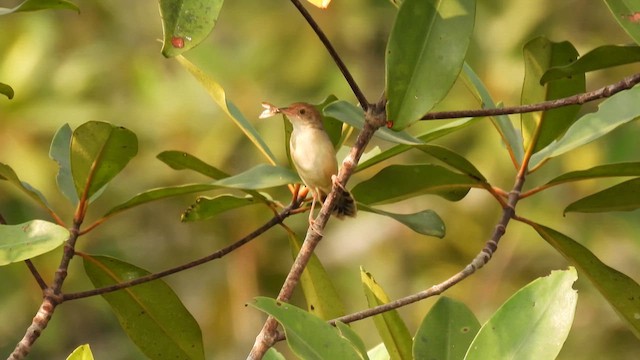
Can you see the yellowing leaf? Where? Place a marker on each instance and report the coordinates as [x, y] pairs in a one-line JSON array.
[[322, 4]]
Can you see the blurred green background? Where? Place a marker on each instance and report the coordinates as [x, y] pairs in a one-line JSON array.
[[105, 64]]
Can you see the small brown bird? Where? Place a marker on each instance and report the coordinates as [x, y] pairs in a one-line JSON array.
[[313, 156]]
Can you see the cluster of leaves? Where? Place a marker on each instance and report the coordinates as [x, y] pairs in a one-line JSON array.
[[422, 64]]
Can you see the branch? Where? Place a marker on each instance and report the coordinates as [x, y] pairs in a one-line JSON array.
[[579, 99], [334, 55]]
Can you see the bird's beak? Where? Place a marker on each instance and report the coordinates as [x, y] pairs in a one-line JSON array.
[[269, 110]]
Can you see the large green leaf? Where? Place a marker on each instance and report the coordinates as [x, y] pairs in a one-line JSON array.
[[7, 173], [399, 182], [622, 197], [539, 55], [60, 152], [627, 14], [608, 170], [218, 95], [426, 222], [392, 329], [425, 53], [151, 314], [180, 160], [597, 59], [207, 207], [186, 23], [260, 177], [99, 151], [348, 333], [453, 159], [33, 5], [321, 296], [532, 324], [6, 90], [618, 110], [27, 240], [511, 138], [308, 336], [82, 352], [622, 292], [446, 331]]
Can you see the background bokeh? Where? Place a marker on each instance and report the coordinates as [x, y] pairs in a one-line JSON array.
[[105, 64]]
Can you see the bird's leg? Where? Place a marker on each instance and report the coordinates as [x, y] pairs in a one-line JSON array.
[[312, 222], [335, 182]]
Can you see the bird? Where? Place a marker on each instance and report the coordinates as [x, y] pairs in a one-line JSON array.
[[314, 156]]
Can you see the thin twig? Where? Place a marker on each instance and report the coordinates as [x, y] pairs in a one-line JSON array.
[[334, 55], [36, 275], [603, 92]]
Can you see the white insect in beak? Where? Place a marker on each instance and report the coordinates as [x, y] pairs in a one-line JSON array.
[[269, 110]]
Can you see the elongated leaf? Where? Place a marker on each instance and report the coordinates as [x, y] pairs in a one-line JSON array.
[[5, 89], [621, 197], [308, 336], [186, 23], [627, 14], [30, 239], [426, 222], [599, 58], [321, 296], [260, 177], [273, 354], [392, 329], [207, 207], [532, 324], [425, 53], [218, 95], [399, 182], [378, 352], [99, 151], [511, 138], [608, 170], [452, 159], [82, 352], [539, 55], [446, 331], [622, 292], [618, 110], [158, 194], [429, 135], [33, 5], [7, 173], [180, 160], [151, 314], [60, 152], [322, 4], [348, 333]]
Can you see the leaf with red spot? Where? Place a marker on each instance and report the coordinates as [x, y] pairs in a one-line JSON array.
[[186, 23]]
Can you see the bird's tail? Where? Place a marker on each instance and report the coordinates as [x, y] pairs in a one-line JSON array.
[[345, 205]]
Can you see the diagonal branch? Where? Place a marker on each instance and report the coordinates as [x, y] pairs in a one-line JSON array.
[[579, 99]]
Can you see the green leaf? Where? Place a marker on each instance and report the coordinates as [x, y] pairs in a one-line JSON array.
[[308, 336], [348, 333], [332, 126], [425, 53], [452, 159], [151, 314], [33, 5], [426, 222], [627, 14], [510, 137], [273, 354], [321, 296], [158, 194], [378, 352], [5, 89], [622, 197], [354, 116], [208, 207], [28, 240], [392, 329], [218, 95], [608, 170], [180, 160], [446, 331], [186, 23], [60, 152], [399, 182], [82, 352], [619, 109], [7, 173], [99, 151], [539, 55], [620, 290], [260, 177], [532, 324], [599, 58]]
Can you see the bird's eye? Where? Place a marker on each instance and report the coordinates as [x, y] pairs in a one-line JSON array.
[[302, 111]]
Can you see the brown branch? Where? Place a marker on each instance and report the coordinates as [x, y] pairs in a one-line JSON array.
[[334, 55], [603, 92]]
